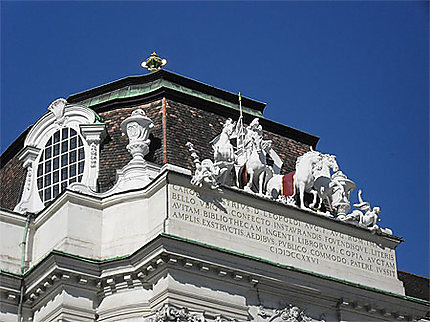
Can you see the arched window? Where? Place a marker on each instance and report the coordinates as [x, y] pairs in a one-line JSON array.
[[60, 149], [61, 163]]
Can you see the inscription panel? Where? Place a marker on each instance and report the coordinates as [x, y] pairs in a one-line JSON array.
[[280, 238]]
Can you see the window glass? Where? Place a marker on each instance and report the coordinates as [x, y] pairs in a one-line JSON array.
[[61, 163]]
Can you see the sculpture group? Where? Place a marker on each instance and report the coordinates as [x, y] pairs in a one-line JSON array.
[[243, 159]]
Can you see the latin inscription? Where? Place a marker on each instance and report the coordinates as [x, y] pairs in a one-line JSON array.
[[280, 235]]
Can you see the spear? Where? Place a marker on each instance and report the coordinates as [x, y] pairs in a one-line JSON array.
[[241, 122]]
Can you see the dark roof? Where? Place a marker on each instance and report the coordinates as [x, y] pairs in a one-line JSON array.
[[14, 147], [415, 285], [134, 90], [135, 85]]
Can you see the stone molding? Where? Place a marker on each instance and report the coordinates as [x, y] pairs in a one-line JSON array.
[[94, 134], [110, 277]]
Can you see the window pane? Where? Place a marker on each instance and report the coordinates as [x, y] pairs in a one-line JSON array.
[[47, 166], [40, 183], [72, 170], [56, 163], [57, 137], [72, 156], [65, 133], [64, 173], [48, 152], [81, 154], [73, 143], [56, 176], [56, 149], [80, 167], [64, 146], [47, 180], [61, 162], [55, 191], [47, 194], [64, 160]]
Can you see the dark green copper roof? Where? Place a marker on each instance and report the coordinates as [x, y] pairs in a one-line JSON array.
[[135, 86]]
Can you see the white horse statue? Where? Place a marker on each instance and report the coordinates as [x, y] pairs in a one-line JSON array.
[[224, 155], [312, 175], [304, 176], [223, 149], [323, 183], [256, 166], [301, 180]]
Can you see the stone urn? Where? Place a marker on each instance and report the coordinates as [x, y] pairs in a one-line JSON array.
[[137, 127]]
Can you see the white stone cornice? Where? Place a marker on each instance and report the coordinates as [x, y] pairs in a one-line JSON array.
[[12, 218]]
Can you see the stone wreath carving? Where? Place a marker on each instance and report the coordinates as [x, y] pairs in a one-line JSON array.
[[172, 313], [169, 312], [290, 313]]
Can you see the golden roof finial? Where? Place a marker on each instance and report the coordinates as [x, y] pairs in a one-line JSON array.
[[154, 62]]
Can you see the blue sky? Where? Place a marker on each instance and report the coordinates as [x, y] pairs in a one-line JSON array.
[[353, 73]]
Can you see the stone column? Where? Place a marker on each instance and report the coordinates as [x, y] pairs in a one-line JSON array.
[[94, 135]]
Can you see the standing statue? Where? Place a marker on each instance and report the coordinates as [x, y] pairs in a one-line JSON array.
[[252, 152], [341, 193]]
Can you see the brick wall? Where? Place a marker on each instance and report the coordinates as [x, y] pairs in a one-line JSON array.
[[185, 123]]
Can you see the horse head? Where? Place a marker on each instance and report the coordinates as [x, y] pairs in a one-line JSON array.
[[229, 126], [331, 162]]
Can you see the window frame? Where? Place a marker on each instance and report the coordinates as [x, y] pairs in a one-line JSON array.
[[61, 115]]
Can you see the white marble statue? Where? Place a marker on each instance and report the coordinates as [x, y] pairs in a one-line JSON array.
[[312, 175], [365, 216], [252, 153], [206, 171], [323, 183], [247, 159], [223, 149], [304, 176], [224, 155], [341, 193]]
